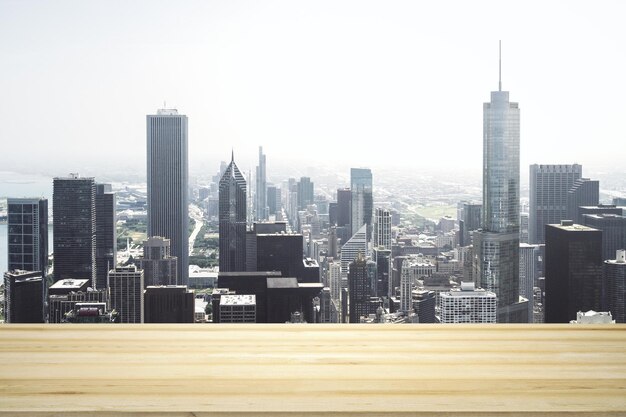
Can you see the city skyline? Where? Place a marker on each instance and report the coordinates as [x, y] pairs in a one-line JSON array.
[[344, 71]]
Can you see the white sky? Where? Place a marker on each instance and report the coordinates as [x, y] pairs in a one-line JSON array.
[[362, 83]]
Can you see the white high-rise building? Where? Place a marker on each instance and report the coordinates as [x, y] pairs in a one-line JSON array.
[[528, 256], [126, 285], [334, 280], [405, 287], [468, 304], [349, 251], [382, 228], [168, 184]]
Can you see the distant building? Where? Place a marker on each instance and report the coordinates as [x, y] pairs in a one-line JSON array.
[[469, 221], [28, 234], [261, 209], [362, 200], [273, 199], [573, 271], [382, 257], [238, 308], [549, 186], [382, 228], [344, 209], [593, 317], [168, 183], [424, 303], [305, 193], [126, 284], [584, 192], [159, 267], [106, 234], [468, 304], [23, 297], [613, 228], [74, 211], [615, 282], [232, 220], [406, 287], [91, 313], [529, 255], [358, 289], [357, 244], [64, 298], [169, 304]]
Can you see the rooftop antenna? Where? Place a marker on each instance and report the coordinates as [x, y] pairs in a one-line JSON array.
[[500, 66], [232, 157]]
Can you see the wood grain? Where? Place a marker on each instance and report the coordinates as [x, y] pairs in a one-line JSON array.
[[312, 370]]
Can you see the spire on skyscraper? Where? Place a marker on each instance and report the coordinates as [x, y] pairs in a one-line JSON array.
[[500, 66]]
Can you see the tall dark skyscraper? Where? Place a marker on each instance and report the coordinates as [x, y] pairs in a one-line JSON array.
[[469, 221], [74, 212], [159, 267], [344, 207], [28, 234], [260, 200], [168, 183], [106, 235], [584, 192], [362, 200], [232, 218], [359, 289], [549, 187], [615, 282], [273, 199], [573, 271], [305, 193], [497, 245], [23, 297], [613, 228]]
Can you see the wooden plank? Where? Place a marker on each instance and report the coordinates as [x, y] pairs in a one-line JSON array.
[[312, 370]]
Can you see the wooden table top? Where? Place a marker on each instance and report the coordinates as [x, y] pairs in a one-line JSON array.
[[312, 370]]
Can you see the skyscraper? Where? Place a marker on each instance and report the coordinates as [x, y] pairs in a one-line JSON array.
[[106, 235], [126, 285], [74, 211], [358, 289], [305, 193], [497, 245], [529, 255], [613, 228], [349, 251], [159, 267], [468, 304], [28, 234], [549, 187], [261, 201], [615, 282], [362, 200], [584, 192], [382, 228], [469, 221], [23, 297], [573, 271], [406, 298], [232, 218], [168, 183]]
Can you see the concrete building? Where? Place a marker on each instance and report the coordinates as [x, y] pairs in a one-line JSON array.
[[573, 271], [232, 219], [424, 303], [74, 211], [159, 267], [382, 228], [584, 192], [615, 285], [27, 234], [529, 255], [613, 228], [468, 304], [169, 304], [549, 187], [359, 289], [305, 193], [261, 209], [357, 244], [406, 288], [23, 297], [168, 183], [469, 220], [238, 308], [126, 284]]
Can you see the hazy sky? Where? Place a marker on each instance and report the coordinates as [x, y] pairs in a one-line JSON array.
[[363, 83]]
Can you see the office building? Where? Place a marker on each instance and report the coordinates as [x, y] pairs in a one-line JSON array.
[[469, 221], [528, 258], [106, 234], [573, 270], [168, 184], [549, 188], [334, 280], [91, 313], [362, 200], [382, 228], [232, 219], [468, 304], [238, 308], [382, 257], [261, 209], [169, 304], [126, 285], [497, 245], [23, 297], [358, 289], [66, 294], [613, 228], [344, 208], [357, 244], [28, 234], [159, 267], [273, 199], [305, 193], [406, 288], [424, 303], [584, 192], [286, 296], [615, 284], [74, 212]]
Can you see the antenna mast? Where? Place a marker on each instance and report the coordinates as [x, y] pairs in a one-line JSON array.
[[500, 66]]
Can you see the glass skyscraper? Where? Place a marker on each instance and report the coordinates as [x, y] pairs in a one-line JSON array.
[[28, 234], [497, 245], [232, 219], [362, 200], [168, 184]]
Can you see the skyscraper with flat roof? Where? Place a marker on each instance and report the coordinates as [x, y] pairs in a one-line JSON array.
[[497, 245], [168, 183], [106, 234], [584, 192], [615, 282], [549, 188], [382, 228], [232, 219], [74, 212], [261, 201], [362, 200], [28, 234], [358, 289], [126, 285]]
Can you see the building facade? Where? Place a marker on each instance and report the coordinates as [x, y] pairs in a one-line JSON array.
[[615, 284], [168, 183], [106, 233], [382, 228], [159, 267], [232, 219], [468, 304], [27, 234], [362, 204], [126, 285], [358, 289]]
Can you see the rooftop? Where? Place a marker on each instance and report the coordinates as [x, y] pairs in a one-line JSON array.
[[238, 299]]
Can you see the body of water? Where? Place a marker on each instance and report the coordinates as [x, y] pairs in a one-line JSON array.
[[3, 246]]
